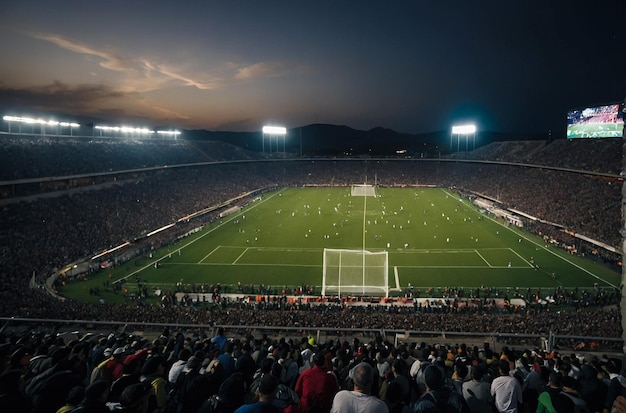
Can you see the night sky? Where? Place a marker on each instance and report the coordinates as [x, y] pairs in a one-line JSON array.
[[412, 66]]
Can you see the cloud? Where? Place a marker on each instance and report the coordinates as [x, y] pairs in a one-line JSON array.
[[86, 100], [165, 113], [59, 96], [109, 61], [261, 70], [142, 75], [186, 81]]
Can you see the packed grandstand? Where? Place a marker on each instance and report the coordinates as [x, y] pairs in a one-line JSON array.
[[68, 198]]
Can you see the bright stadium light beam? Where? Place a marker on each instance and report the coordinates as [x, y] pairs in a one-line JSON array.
[[276, 132], [173, 133], [463, 130], [124, 130], [42, 122]]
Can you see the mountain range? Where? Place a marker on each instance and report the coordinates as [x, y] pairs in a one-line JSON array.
[[337, 140]]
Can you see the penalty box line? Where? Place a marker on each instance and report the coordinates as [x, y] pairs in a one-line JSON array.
[[246, 249], [240, 255], [209, 254]]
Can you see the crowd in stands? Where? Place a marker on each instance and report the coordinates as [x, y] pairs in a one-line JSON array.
[[219, 371], [596, 155], [42, 235], [23, 157]]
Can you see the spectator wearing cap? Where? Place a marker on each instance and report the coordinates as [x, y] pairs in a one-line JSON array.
[[131, 372], [266, 391], [476, 391], [112, 368], [359, 400], [506, 390], [99, 372], [437, 395], [316, 387], [552, 399]]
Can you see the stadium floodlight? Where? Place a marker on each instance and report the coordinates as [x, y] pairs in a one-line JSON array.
[[173, 133], [37, 121], [274, 132], [168, 132], [124, 130], [463, 130]]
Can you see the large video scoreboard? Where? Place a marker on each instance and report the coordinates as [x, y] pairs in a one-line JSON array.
[[596, 122]]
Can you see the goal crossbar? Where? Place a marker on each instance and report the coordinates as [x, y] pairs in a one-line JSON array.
[[355, 272]]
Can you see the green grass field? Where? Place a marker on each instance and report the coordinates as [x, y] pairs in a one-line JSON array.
[[433, 239], [595, 130]]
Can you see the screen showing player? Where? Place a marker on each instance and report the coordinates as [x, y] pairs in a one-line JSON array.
[[595, 122]]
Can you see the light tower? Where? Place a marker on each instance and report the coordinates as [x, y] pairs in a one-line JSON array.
[[275, 132], [463, 130]]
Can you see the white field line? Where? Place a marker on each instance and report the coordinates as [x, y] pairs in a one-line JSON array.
[[207, 256], [240, 255], [483, 258], [541, 246], [202, 236]]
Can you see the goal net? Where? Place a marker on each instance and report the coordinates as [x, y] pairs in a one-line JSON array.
[[350, 272], [362, 190]]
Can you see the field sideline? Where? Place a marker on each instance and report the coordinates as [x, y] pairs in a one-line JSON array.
[[433, 238]]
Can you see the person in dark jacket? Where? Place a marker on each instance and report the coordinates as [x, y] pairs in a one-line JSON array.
[[593, 390], [96, 395], [438, 397]]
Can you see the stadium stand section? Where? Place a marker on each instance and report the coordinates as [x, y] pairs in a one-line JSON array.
[[46, 226], [47, 229]]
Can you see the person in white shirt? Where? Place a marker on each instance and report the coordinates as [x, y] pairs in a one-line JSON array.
[[506, 390], [359, 400], [178, 366]]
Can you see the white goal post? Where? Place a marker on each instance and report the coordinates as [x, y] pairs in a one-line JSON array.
[[355, 272], [362, 190]]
